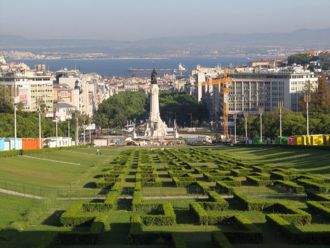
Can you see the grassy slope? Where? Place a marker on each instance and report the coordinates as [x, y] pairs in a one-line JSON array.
[[308, 160], [41, 177], [37, 217]]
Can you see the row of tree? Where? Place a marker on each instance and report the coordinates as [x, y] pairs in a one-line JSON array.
[[293, 123], [28, 125], [117, 110], [305, 59]]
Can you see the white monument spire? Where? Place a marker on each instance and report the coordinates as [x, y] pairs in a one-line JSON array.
[[156, 128]]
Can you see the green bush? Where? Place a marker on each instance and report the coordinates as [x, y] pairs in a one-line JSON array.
[[289, 186], [221, 203], [312, 186], [111, 199], [197, 210], [298, 234], [166, 218], [178, 241], [256, 205], [5, 154], [99, 224], [75, 216], [320, 207], [318, 197], [258, 181], [219, 240], [137, 201], [222, 187], [247, 232]]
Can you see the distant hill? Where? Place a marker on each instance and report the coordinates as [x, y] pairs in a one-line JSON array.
[[304, 38]]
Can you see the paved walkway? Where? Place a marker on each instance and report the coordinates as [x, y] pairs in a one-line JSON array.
[[15, 193], [51, 160]]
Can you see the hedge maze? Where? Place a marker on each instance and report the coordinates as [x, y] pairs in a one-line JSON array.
[[200, 197]]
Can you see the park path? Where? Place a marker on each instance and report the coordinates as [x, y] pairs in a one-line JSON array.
[[15, 193], [50, 160], [37, 197]]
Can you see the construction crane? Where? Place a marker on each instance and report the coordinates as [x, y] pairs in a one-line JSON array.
[[224, 81]]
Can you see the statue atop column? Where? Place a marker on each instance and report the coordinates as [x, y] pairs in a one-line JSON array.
[[154, 76]]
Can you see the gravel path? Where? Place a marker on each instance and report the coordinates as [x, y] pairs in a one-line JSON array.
[[51, 160], [15, 193]]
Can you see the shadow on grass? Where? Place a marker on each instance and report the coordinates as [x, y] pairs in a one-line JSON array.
[[54, 219], [90, 185]]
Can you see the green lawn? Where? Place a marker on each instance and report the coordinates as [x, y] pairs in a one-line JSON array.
[[38, 220], [47, 175], [306, 160]]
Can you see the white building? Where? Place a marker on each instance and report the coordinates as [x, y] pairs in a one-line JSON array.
[[53, 142], [250, 90], [31, 89], [63, 111]]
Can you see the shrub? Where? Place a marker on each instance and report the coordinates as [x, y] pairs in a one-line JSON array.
[[298, 234], [256, 205], [166, 218], [318, 197], [222, 187], [199, 212], [219, 240], [257, 181], [312, 186], [99, 224], [320, 207], [137, 201], [75, 216], [221, 203], [111, 199], [290, 186], [178, 241], [247, 233]]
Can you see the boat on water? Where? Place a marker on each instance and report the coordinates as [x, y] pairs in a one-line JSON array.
[[179, 69]]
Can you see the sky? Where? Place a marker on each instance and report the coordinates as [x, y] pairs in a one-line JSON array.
[[143, 19]]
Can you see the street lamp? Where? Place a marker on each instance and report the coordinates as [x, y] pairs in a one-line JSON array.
[[246, 114], [280, 106], [261, 111], [39, 116], [235, 118], [15, 121], [56, 130], [84, 131], [307, 99], [68, 128], [77, 130]]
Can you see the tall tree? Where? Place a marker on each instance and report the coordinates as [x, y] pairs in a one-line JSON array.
[[323, 93]]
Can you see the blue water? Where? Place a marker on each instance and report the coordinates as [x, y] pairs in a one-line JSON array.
[[119, 67]]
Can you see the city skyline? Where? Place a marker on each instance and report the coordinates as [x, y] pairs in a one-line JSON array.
[[128, 20]]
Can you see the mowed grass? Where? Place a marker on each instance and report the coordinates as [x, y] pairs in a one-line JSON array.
[[14, 209], [304, 160], [43, 173]]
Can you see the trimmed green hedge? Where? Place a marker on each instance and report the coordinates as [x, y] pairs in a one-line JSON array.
[[219, 202], [199, 212], [222, 187], [178, 241], [313, 186], [75, 216], [166, 218], [99, 224], [258, 181], [289, 186], [219, 240], [298, 234], [320, 207]]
